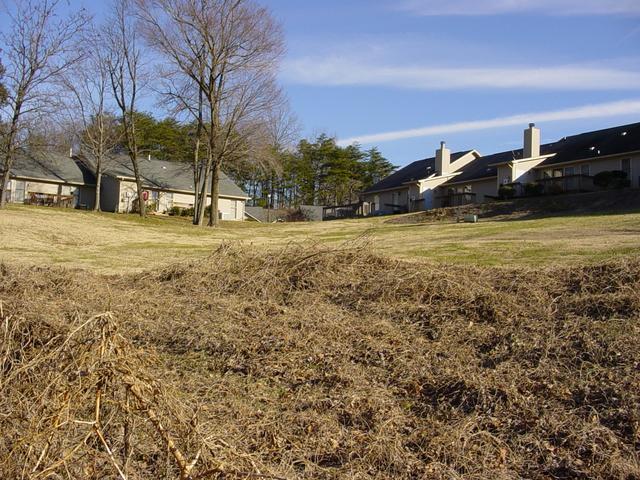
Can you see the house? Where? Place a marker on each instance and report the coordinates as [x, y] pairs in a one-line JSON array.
[[413, 187], [568, 165], [49, 178], [168, 184]]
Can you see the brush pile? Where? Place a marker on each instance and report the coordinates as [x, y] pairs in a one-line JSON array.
[[306, 362]]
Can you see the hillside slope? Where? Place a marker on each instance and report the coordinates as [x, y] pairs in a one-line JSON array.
[[318, 363]]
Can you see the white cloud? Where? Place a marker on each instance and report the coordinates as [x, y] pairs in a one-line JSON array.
[[344, 71], [611, 109], [499, 7]]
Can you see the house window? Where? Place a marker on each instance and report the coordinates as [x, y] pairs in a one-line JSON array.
[[467, 189], [557, 172], [625, 166], [585, 170], [569, 171]]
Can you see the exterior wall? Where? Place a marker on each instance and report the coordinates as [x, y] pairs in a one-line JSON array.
[[381, 202], [86, 197], [184, 200], [602, 165], [484, 189], [231, 208], [429, 191], [505, 175], [20, 191], [523, 171], [109, 194], [127, 193]]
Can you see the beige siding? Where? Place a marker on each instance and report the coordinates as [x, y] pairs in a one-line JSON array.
[[505, 175], [231, 208], [484, 188], [602, 165], [523, 171]]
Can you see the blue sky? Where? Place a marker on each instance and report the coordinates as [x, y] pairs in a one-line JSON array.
[[405, 74]]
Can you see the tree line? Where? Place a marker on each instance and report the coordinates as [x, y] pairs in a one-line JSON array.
[[210, 65]]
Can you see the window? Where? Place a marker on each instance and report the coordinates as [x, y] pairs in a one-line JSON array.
[[585, 170], [557, 172], [569, 171], [625, 166]]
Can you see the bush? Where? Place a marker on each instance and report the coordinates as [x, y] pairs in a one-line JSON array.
[[533, 189], [611, 179], [187, 212], [556, 188], [175, 211], [506, 192]]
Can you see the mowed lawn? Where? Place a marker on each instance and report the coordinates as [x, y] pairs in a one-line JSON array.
[[125, 243]]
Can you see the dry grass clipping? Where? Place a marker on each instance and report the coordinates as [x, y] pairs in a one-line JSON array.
[[306, 362]]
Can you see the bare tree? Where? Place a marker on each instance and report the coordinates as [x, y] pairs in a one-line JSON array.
[[89, 88], [124, 65], [228, 49], [39, 46]]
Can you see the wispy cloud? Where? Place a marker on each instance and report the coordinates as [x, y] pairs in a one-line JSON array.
[[500, 7], [601, 110], [344, 71]]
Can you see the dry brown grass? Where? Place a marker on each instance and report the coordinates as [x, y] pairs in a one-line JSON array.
[[312, 362], [111, 243]]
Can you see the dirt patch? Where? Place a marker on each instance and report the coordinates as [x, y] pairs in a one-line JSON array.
[[308, 362]]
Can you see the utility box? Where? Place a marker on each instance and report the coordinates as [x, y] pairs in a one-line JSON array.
[[470, 219]]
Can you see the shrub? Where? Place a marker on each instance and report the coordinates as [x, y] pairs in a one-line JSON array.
[[175, 211], [556, 188], [611, 179], [533, 189], [506, 192], [187, 212]]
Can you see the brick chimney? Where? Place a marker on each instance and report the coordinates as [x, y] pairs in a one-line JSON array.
[[531, 141], [443, 159]]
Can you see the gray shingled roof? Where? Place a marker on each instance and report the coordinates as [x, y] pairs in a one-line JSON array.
[[51, 166], [166, 175]]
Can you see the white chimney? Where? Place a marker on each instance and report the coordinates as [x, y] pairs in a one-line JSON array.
[[443, 159], [531, 141]]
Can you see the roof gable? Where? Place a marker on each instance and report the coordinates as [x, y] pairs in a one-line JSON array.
[[414, 172]]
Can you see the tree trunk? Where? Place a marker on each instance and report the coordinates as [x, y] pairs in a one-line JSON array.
[[214, 219], [96, 205], [203, 190], [197, 199], [9, 151]]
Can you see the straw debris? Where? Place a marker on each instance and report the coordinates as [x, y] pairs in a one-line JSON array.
[[308, 362]]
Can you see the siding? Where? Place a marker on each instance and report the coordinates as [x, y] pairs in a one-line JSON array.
[[231, 208], [602, 165]]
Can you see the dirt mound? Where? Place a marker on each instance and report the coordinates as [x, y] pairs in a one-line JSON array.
[[314, 363]]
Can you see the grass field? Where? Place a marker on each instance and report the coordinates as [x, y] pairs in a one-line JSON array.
[[125, 243]]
